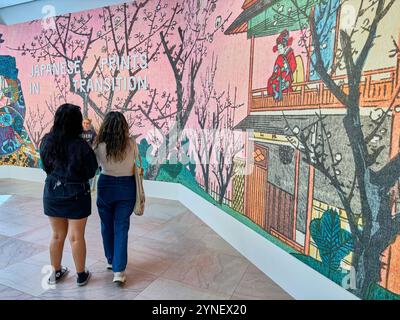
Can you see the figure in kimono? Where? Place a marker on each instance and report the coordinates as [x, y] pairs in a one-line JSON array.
[[285, 65], [16, 148]]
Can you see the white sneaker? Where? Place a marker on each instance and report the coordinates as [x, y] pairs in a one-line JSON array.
[[119, 277], [109, 266]]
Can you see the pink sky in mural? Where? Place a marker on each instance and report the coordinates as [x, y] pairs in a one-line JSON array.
[[233, 53]]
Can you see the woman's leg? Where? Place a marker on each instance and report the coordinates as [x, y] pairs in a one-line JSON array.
[[106, 213], [123, 212], [78, 244], [60, 230], [105, 206]]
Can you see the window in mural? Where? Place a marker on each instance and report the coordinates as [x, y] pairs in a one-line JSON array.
[[258, 156], [326, 17]]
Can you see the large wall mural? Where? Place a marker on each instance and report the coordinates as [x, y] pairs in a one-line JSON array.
[[283, 113]]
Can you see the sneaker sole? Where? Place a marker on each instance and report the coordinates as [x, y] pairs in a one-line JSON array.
[[86, 282], [52, 283], [120, 282]]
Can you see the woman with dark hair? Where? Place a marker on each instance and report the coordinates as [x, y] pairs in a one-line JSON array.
[[116, 189], [69, 163]]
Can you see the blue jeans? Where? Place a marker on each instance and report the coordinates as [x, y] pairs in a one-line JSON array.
[[116, 198]]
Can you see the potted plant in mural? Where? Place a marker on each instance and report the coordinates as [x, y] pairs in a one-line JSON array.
[[333, 242]]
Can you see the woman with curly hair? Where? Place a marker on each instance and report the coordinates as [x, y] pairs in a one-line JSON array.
[[69, 163], [116, 189]]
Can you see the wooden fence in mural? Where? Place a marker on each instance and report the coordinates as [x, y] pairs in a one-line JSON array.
[[280, 206], [376, 90], [214, 191], [238, 185]]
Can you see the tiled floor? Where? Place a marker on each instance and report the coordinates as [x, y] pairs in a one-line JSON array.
[[172, 255]]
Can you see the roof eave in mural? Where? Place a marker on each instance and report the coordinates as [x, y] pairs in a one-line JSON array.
[[274, 124], [241, 23], [242, 20]]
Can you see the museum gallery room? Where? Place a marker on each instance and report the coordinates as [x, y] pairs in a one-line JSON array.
[[199, 150]]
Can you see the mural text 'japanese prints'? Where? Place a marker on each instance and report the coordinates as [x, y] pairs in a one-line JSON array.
[[73, 68]]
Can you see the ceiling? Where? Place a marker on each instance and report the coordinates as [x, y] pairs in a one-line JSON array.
[[10, 3], [18, 11]]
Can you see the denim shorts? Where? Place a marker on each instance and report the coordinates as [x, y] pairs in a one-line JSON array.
[[71, 200]]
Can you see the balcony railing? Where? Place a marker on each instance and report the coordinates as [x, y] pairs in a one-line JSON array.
[[376, 89]]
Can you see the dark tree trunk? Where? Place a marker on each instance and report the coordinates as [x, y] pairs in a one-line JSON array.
[[205, 170], [206, 175], [85, 111], [207, 178], [221, 195], [379, 226], [377, 234], [367, 267]]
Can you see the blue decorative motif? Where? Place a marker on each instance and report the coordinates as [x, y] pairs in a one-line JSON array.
[[325, 17], [13, 136], [8, 67]]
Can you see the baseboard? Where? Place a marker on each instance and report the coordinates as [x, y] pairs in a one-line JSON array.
[[295, 277], [22, 173]]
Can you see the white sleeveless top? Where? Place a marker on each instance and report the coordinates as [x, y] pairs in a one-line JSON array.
[[114, 168]]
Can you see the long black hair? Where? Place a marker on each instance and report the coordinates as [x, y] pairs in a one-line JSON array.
[[67, 125], [114, 132]]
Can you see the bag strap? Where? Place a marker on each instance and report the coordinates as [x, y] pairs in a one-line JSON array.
[[140, 160], [137, 154]]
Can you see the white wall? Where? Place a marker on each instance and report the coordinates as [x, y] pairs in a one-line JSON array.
[[33, 10], [295, 277]]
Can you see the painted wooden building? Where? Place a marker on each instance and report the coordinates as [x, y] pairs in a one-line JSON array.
[[283, 193]]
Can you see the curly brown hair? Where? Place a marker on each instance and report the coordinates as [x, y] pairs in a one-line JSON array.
[[114, 132]]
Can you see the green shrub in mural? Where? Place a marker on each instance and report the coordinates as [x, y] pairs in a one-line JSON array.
[[333, 242], [376, 292], [335, 275]]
